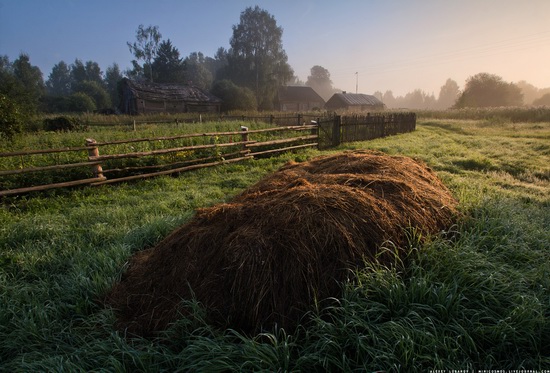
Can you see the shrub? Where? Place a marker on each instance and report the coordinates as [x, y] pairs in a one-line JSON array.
[[233, 96], [80, 102], [11, 117], [542, 101], [62, 124]]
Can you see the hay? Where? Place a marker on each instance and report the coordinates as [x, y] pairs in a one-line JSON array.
[[264, 258]]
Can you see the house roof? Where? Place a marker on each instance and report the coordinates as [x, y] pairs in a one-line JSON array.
[[170, 92], [299, 94], [355, 99]]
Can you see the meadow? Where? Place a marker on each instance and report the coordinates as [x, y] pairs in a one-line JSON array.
[[476, 298]]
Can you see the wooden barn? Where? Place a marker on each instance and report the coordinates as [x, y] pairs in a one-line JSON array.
[[145, 97], [299, 98], [353, 102]]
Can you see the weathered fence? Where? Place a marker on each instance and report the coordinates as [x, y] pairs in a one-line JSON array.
[[194, 151], [339, 129], [101, 163]]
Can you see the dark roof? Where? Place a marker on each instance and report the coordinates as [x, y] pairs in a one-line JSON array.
[[169, 92], [299, 94], [355, 99]]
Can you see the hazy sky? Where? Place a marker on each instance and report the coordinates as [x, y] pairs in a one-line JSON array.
[[395, 45]]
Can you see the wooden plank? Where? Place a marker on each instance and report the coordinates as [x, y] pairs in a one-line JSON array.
[[43, 151], [206, 134], [284, 149], [49, 186], [167, 172], [282, 141], [166, 151], [191, 161], [189, 135], [47, 168]]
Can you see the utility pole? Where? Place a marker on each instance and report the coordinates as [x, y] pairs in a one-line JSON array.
[[356, 81]]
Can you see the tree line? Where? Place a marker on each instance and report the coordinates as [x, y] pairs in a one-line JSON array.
[[246, 76]]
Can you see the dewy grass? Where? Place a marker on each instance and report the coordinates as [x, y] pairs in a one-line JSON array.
[[477, 298]]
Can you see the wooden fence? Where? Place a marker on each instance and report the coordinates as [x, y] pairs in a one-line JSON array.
[[99, 163], [339, 129], [207, 150]]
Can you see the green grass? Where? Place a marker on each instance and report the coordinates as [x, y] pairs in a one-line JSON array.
[[478, 298]]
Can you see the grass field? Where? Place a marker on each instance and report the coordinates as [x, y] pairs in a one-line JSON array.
[[478, 300]]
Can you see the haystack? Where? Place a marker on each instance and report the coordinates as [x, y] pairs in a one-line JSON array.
[[265, 257]]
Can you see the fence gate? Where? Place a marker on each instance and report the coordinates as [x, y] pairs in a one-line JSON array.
[[329, 132]]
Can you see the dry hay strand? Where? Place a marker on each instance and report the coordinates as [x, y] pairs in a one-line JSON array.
[[291, 239]]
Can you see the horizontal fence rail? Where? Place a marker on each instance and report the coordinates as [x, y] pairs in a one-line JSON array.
[[99, 163]]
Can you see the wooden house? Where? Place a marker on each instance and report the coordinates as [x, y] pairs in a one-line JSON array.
[[353, 102], [299, 98], [145, 97]]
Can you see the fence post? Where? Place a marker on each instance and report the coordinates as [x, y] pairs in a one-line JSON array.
[[299, 119], [244, 135], [336, 130], [93, 151], [134, 125]]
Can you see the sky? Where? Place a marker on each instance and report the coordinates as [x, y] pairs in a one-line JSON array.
[[371, 45]]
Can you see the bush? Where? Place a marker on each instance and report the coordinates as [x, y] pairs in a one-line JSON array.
[[233, 96], [542, 101], [11, 117], [62, 124], [80, 102]]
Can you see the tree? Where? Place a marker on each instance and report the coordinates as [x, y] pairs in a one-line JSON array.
[[11, 117], [112, 78], [319, 80], [488, 90], [389, 100], [168, 67], [530, 92], [234, 97], [217, 65], [59, 81], [146, 46], [96, 92], [448, 94], [81, 72], [257, 59], [196, 71], [22, 83], [543, 100]]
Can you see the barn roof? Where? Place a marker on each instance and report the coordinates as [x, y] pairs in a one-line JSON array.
[[299, 94], [355, 99], [169, 92]]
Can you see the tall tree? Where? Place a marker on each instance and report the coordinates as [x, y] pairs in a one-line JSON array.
[[112, 77], [257, 59], [488, 90], [448, 94], [389, 100], [530, 92], [22, 83], [168, 67], [59, 80], [319, 80], [146, 46], [82, 72], [197, 72]]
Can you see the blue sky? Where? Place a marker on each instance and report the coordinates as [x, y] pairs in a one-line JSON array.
[[393, 45]]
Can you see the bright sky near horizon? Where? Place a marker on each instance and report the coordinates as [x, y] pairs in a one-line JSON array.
[[397, 45]]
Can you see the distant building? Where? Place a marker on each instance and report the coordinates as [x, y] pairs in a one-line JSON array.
[[299, 98], [145, 97], [353, 102]]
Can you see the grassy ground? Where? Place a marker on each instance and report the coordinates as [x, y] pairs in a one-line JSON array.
[[480, 299]]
